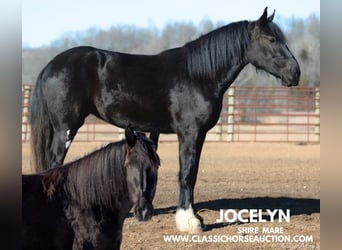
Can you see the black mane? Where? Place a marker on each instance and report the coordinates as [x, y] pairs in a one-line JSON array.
[[92, 180], [99, 178], [209, 56]]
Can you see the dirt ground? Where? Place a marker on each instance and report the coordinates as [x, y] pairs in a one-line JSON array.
[[231, 176]]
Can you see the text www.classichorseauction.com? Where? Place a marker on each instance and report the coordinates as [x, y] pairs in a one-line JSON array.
[[245, 234]]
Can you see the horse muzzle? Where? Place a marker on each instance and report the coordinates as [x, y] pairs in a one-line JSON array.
[[291, 76], [143, 211]]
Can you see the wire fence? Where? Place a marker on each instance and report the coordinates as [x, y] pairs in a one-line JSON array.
[[249, 114]]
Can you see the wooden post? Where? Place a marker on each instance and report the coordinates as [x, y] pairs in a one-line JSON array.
[[26, 91], [317, 112], [219, 129], [230, 128], [121, 133]]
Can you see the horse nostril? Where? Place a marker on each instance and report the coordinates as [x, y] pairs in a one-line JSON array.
[[296, 72]]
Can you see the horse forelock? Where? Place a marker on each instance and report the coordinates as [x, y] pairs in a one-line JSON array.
[[276, 31], [211, 55], [149, 151]]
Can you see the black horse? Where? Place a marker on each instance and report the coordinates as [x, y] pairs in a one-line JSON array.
[[177, 91], [83, 204]]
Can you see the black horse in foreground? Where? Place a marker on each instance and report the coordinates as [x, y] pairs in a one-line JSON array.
[[178, 91], [83, 204]]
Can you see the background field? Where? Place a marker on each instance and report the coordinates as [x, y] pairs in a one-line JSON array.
[[231, 176]]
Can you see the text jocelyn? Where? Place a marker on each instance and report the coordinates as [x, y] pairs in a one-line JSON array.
[[254, 215]]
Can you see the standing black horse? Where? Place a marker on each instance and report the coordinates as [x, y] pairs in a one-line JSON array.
[[83, 204], [177, 91]]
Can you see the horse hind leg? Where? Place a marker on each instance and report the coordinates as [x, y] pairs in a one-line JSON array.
[[60, 145]]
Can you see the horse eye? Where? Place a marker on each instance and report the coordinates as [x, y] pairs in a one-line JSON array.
[[272, 39]]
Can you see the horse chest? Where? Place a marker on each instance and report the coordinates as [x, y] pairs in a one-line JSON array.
[[190, 107], [84, 225]]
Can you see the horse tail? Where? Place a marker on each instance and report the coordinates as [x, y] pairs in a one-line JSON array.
[[41, 128]]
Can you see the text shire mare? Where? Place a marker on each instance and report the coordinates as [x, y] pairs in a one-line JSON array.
[[83, 204], [178, 91]]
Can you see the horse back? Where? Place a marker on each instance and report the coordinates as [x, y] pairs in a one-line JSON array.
[[89, 66]]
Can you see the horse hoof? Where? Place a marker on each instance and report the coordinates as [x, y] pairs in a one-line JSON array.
[[186, 221]]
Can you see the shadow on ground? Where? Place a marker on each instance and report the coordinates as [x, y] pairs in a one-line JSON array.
[[297, 206]]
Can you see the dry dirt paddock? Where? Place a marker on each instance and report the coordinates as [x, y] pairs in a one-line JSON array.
[[231, 176]]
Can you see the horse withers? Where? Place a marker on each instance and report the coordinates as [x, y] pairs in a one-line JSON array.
[[83, 204], [179, 90]]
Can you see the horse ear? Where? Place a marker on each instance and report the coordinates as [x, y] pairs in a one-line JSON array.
[[263, 19], [270, 18], [154, 136], [131, 138]]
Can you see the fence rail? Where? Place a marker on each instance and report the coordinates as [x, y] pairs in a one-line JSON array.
[[249, 114]]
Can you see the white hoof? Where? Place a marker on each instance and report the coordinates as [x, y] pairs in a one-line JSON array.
[[186, 221]]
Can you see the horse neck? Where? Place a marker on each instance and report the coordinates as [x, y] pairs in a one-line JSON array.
[[219, 56], [232, 73]]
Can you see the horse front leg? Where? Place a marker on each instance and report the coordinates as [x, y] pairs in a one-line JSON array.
[[190, 147]]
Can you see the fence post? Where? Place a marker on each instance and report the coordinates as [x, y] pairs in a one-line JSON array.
[[121, 133], [317, 112], [219, 129], [26, 92], [230, 128]]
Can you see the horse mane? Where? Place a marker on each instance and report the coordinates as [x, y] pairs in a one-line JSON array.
[[98, 178], [209, 56], [92, 180]]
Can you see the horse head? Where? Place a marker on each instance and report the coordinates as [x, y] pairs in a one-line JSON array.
[[141, 165], [268, 51]]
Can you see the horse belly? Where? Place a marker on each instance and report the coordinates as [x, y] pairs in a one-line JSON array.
[[141, 113]]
